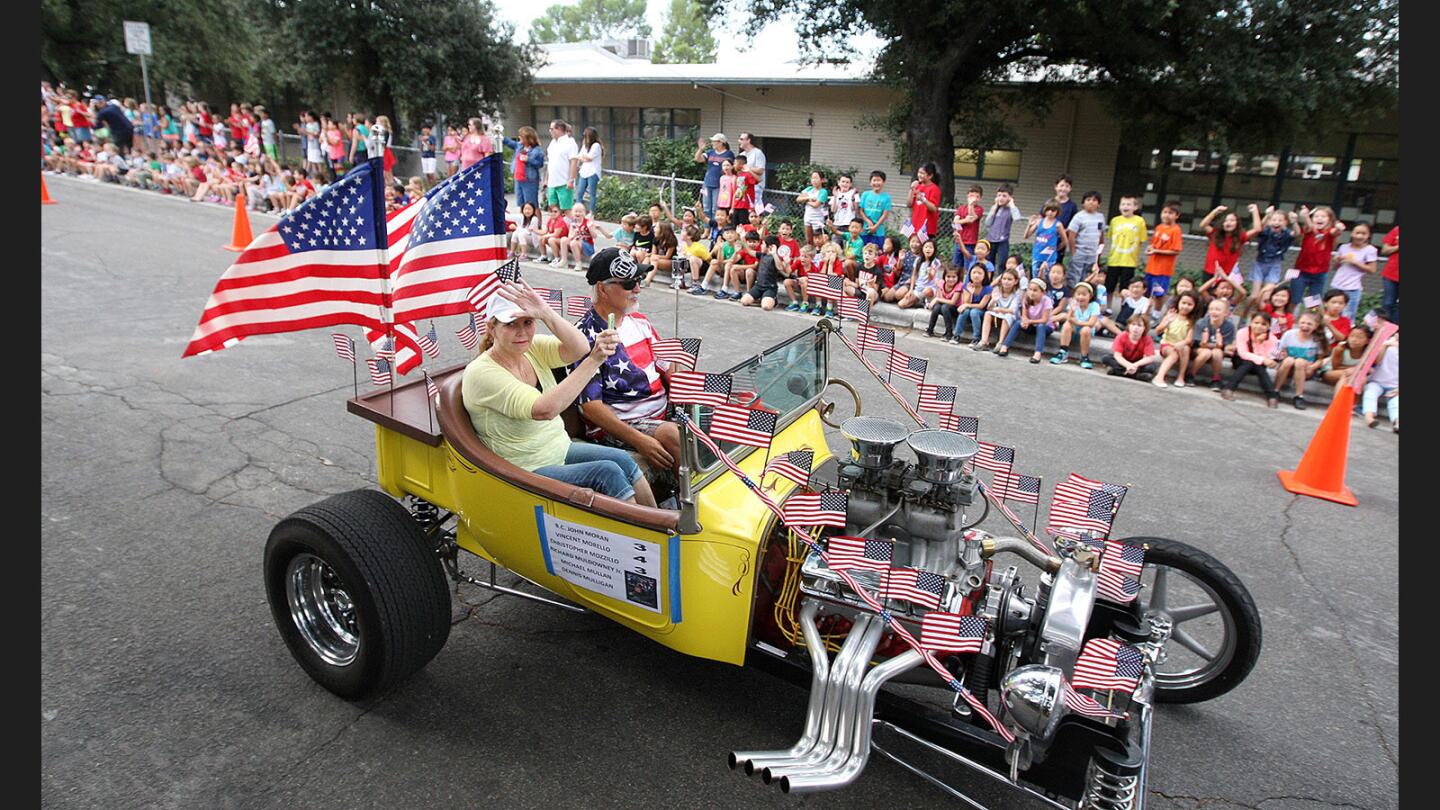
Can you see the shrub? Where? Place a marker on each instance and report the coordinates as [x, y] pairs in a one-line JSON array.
[[795, 176], [616, 197], [666, 156]]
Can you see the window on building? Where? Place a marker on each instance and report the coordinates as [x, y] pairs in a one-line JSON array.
[[986, 164], [624, 129]]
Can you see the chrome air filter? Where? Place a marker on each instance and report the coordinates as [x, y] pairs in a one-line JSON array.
[[940, 454], [872, 440]]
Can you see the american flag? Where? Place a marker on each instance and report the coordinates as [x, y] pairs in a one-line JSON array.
[[680, 351], [995, 458], [872, 336], [911, 368], [379, 370], [816, 509], [794, 465], [468, 334], [857, 309], [429, 342], [456, 238], [936, 398], [1075, 486], [1093, 514], [1022, 488], [1083, 704], [967, 425], [699, 388], [829, 287], [924, 588], [577, 305], [384, 347], [403, 346], [846, 553], [344, 346], [1105, 663], [749, 426], [1120, 566], [431, 387], [952, 632], [508, 272], [320, 265], [554, 298]]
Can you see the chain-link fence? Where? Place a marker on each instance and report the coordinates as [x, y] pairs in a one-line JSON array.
[[291, 149]]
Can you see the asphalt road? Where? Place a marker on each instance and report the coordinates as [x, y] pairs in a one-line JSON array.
[[164, 682]]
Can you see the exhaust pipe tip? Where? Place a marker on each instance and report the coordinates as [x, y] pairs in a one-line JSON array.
[[766, 776], [749, 768], [784, 784], [730, 759]]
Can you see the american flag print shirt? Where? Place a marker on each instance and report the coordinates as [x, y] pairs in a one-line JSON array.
[[629, 380]]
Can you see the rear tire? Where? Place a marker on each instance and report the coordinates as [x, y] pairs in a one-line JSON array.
[[356, 592], [1234, 642]]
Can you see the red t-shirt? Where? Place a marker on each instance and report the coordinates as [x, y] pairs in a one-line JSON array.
[[558, 227], [1131, 350], [922, 217], [1280, 322], [1226, 253], [1315, 250], [79, 115], [202, 124], [794, 247], [970, 231], [744, 194], [1392, 266]]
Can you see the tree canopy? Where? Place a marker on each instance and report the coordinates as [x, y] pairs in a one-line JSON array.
[[685, 37], [591, 20], [1220, 74]]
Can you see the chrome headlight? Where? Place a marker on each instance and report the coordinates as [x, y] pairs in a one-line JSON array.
[[1032, 696]]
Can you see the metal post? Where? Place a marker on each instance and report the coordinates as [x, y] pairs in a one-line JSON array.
[[145, 74], [672, 195]]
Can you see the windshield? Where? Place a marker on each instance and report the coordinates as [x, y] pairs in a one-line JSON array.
[[784, 378]]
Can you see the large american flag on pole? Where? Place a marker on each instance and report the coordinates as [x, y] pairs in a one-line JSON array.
[[857, 552], [457, 236], [321, 265], [1105, 663]]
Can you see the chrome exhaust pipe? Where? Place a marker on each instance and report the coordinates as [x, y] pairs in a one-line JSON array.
[[830, 718], [820, 667], [834, 750], [862, 723]]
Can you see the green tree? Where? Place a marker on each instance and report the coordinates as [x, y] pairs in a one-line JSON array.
[[666, 156], [409, 59], [1216, 73], [685, 37], [591, 20]]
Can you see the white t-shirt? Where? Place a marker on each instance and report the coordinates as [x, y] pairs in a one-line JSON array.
[[591, 167], [755, 161], [557, 160]]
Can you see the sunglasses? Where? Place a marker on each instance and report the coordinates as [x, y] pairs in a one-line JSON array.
[[626, 284]]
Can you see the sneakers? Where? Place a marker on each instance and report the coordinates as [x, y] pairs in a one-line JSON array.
[[1116, 371], [1215, 385], [697, 290], [1300, 403], [1147, 376], [793, 307], [736, 296], [830, 312], [931, 333], [1085, 363], [722, 294], [977, 346], [1226, 394], [1060, 357], [1272, 402]]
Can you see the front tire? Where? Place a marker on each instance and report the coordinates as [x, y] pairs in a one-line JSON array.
[[1216, 635], [356, 592]]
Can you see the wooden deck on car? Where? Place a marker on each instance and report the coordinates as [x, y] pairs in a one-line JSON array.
[[405, 409]]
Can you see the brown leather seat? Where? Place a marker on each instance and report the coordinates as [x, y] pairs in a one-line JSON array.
[[455, 426]]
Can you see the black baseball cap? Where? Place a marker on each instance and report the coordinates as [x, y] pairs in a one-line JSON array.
[[611, 264]]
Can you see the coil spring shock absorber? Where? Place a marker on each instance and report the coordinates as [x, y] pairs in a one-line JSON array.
[[427, 517], [1113, 781]]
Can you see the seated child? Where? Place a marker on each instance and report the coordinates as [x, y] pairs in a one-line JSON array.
[[1255, 351], [1175, 330], [1213, 340], [769, 271], [1134, 300], [1133, 352], [1083, 317], [1301, 354]]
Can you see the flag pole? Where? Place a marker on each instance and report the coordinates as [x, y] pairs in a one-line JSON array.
[[354, 371], [429, 401], [1035, 521]]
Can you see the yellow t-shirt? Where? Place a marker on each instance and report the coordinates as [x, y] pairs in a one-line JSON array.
[[1126, 236], [698, 250], [1177, 332], [499, 405]]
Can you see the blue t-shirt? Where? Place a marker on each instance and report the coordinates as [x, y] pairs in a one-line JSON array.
[[1068, 209], [1091, 310], [1045, 248], [875, 205], [712, 171], [427, 146], [971, 262], [1272, 244], [1058, 294]]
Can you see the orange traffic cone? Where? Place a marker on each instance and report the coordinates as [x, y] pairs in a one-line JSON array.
[[1321, 472], [44, 193], [240, 237]]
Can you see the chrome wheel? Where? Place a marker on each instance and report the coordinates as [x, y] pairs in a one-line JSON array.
[[322, 610], [1203, 637]]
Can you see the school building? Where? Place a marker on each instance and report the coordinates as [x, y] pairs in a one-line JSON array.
[[815, 114]]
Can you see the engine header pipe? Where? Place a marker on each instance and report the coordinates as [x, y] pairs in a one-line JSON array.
[[820, 669]]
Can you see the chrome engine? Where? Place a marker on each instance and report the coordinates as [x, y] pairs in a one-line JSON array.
[[1032, 641]]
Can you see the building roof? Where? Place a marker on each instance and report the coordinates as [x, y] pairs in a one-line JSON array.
[[591, 63]]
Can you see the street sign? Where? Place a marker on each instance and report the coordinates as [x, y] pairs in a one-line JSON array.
[[137, 38]]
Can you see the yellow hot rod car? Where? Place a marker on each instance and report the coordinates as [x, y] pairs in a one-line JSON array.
[[359, 587]]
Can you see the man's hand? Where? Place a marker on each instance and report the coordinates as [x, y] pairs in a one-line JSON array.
[[654, 452]]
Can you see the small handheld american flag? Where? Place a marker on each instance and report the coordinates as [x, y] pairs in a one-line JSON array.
[[379, 370], [1093, 514], [964, 425], [467, 334], [995, 458], [845, 553], [1120, 567], [794, 465], [873, 337], [344, 346], [1105, 663], [699, 388], [924, 588], [911, 368], [683, 352], [831, 288], [856, 309], [748, 426], [431, 387], [577, 306], [552, 297], [1022, 488], [384, 348], [1083, 704], [816, 509], [429, 342], [508, 272], [936, 398], [952, 632]]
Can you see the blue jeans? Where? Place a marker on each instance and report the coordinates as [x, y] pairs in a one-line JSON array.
[[591, 183], [999, 251], [1392, 301], [607, 470], [1370, 400], [1306, 284], [975, 318], [527, 191], [708, 196], [1041, 331], [1353, 305]]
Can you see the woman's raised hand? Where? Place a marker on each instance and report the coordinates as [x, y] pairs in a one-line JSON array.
[[524, 296]]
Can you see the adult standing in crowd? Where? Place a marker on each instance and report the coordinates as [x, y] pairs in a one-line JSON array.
[[591, 157], [529, 160], [754, 166], [562, 162], [1391, 274], [122, 132], [714, 158]]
